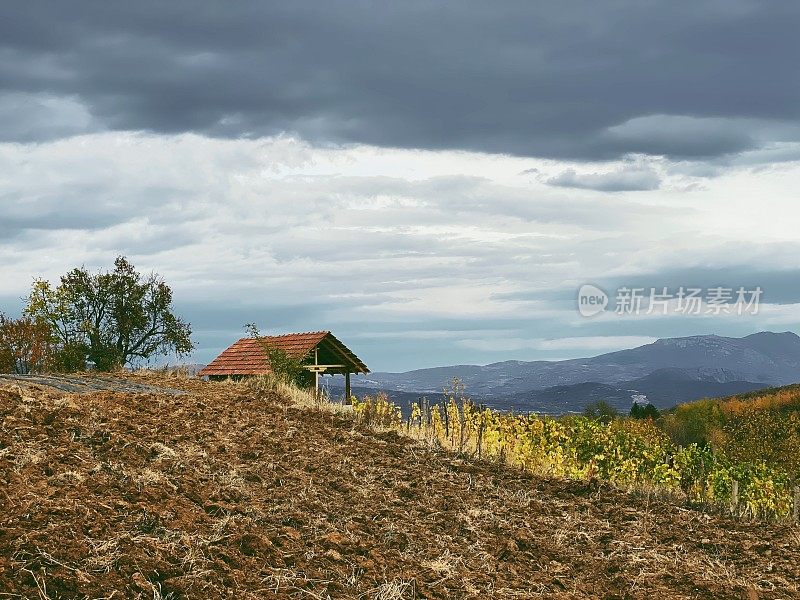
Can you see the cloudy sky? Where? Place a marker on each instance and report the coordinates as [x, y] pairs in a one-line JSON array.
[[431, 181]]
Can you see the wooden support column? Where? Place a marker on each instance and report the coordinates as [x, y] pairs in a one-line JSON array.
[[347, 387], [316, 374]]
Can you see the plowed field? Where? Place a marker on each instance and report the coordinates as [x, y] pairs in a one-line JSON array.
[[219, 494]]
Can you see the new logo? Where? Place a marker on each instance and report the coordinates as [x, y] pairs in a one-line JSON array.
[[591, 300]]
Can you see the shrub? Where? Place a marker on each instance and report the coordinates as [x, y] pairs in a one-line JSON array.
[[25, 345], [284, 368], [601, 410], [644, 412], [377, 411]]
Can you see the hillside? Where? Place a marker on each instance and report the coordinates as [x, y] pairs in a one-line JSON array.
[[663, 388], [760, 426], [218, 493], [671, 370]]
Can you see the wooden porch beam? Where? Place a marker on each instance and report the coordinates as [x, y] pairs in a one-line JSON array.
[[341, 353]]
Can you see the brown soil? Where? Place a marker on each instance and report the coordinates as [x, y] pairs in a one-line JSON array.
[[217, 494]]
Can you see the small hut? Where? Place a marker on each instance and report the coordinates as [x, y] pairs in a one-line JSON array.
[[318, 351]]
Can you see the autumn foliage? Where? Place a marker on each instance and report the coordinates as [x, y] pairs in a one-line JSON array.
[[757, 447], [25, 345], [762, 426]]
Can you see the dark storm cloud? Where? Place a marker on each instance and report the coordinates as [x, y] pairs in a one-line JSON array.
[[588, 80]]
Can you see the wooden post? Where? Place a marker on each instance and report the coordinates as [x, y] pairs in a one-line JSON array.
[[316, 376], [347, 387], [480, 436], [734, 496], [796, 509], [462, 421]]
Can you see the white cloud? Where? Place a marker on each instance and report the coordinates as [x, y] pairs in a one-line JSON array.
[[366, 237]]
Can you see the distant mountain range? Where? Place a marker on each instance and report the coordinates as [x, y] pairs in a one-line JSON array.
[[666, 372], [188, 368]]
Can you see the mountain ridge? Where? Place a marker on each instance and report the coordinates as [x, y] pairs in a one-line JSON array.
[[688, 368]]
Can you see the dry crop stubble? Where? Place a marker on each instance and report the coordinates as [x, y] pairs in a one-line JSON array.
[[229, 492]]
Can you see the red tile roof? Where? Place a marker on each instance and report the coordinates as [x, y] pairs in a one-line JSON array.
[[248, 356]]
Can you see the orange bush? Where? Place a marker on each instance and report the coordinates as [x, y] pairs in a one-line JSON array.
[[25, 345]]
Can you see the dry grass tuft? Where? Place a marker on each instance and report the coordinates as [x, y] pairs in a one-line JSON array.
[[393, 590]]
